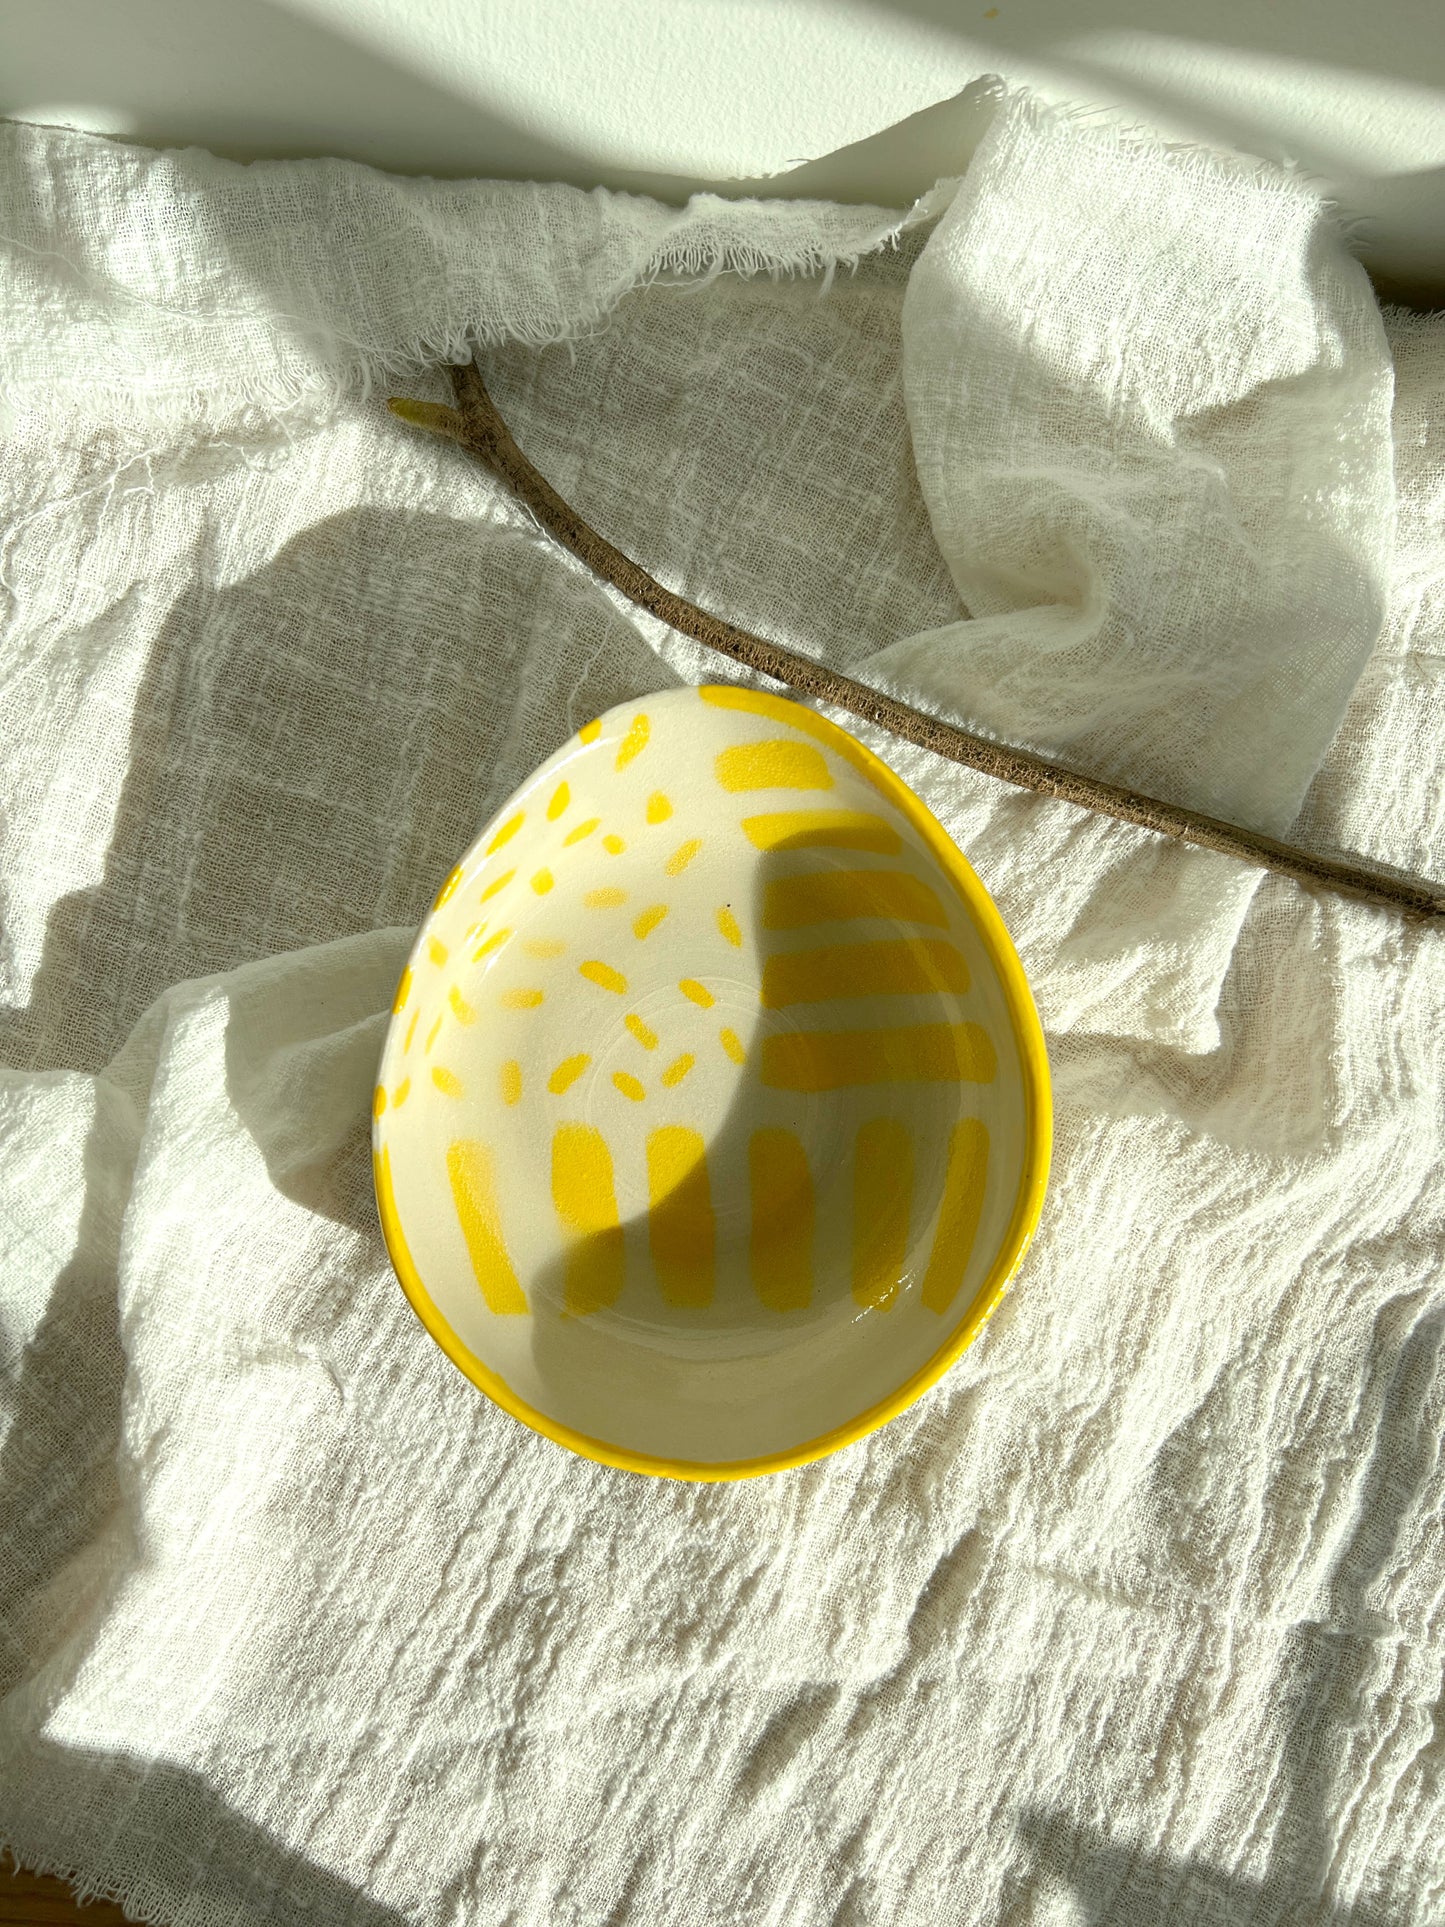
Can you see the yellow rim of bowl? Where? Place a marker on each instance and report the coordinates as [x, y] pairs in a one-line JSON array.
[[1028, 1203]]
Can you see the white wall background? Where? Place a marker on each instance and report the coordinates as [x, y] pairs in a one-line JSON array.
[[666, 95]]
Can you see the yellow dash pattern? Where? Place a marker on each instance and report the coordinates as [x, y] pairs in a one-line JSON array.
[[698, 993], [822, 829], [403, 990], [508, 830], [678, 1069], [401, 1094], [589, 732], [521, 999], [447, 1082], [474, 1194], [649, 920], [567, 1073], [586, 1203], [659, 807], [629, 1086], [543, 946], [410, 1031], [561, 797], [645, 1036], [449, 888], [613, 845], [634, 742], [842, 896], [494, 942], [780, 1249], [378, 1101], [882, 1201], [777, 765], [907, 967], [510, 1080], [543, 882], [680, 1225], [728, 924], [682, 856], [604, 899], [497, 883], [911, 1054], [603, 975], [437, 951], [463, 1010], [732, 1044], [582, 831], [474, 929], [431, 1036], [963, 1188]]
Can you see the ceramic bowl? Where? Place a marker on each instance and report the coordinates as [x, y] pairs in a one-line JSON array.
[[713, 1116]]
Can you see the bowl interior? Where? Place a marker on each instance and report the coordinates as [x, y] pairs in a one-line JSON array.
[[713, 1112]]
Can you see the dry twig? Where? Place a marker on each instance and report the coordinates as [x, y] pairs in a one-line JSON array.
[[476, 426]]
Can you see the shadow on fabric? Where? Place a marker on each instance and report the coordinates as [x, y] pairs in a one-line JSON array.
[[195, 1847]]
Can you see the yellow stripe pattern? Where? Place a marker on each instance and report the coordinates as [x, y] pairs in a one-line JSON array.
[[908, 967], [882, 1200], [586, 1205], [474, 1194], [822, 830], [680, 1222], [963, 1189], [780, 1249], [782, 1252], [910, 1054], [777, 765], [849, 896]]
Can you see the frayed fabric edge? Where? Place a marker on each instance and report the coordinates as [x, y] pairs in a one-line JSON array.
[[345, 370]]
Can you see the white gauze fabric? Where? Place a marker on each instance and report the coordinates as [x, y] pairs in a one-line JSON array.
[[1138, 1615]]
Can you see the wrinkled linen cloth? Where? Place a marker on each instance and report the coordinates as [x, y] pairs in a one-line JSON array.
[[1138, 1615]]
